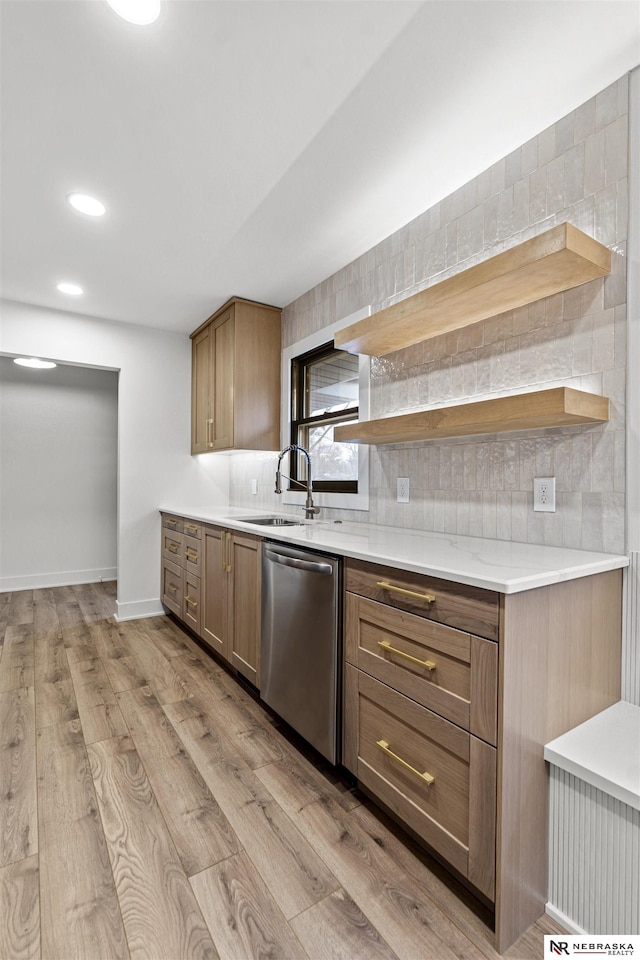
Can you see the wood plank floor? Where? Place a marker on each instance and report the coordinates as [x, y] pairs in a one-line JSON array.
[[151, 808]]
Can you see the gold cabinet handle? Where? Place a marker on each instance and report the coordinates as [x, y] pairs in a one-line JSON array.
[[172, 587], [228, 566], [427, 597], [193, 603], [170, 523], [191, 526], [209, 440], [190, 555], [384, 746], [223, 549], [386, 645], [173, 547]]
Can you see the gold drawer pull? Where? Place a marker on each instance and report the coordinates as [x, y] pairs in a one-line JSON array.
[[427, 664], [191, 526], [209, 440], [427, 597], [172, 587], [173, 547], [384, 746], [190, 555], [170, 523], [193, 603]]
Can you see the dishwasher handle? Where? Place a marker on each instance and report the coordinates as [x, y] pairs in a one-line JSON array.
[[297, 562]]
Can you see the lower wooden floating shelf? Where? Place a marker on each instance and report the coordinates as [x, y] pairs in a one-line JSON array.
[[557, 407]]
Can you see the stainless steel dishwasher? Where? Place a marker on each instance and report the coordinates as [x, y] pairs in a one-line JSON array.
[[300, 663]]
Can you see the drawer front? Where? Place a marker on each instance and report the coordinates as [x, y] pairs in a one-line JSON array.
[[192, 608], [172, 546], [446, 670], [400, 746], [171, 522], [172, 596], [471, 609], [193, 556], [192, 529]]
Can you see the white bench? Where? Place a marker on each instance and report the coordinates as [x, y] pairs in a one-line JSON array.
[[594, 824]]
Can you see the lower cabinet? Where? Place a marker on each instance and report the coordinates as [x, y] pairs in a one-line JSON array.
[[214, 620], [211, 580], [232, 596], [451, 692], [420, 709], [182, 569], [437, 778]]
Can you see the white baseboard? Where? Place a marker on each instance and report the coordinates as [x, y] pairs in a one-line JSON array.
[[64, 578], [138, 609], [564, 921]]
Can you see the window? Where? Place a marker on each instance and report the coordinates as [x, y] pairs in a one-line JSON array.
[[324, 393]]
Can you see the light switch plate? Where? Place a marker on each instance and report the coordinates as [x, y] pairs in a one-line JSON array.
[[544, 494]]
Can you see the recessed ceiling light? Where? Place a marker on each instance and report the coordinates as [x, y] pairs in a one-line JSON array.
[[35, 362], [71, 289], [83, 203], [140, 12]]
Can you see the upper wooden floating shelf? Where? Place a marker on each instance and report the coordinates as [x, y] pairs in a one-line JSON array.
[[557, 260], [557, 407]]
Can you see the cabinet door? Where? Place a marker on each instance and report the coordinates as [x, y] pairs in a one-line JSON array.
[[430, 773], [215, 608], [223, 346], [192, 606], [201, 386], [244, 606], [448, 671], [172, 596]]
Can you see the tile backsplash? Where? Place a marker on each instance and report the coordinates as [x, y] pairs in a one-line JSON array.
[[574, 171]]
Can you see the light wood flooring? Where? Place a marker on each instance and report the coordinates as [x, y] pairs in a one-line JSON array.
[[151, 808]]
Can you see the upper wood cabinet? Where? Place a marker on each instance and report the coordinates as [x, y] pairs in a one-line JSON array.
[[235, 384], [556, 260]]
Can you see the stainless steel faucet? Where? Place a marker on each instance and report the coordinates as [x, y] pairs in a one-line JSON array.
[[309, 509]]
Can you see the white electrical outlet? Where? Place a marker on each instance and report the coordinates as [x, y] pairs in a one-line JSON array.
[[254, 486], [403, 489], [544, 494]]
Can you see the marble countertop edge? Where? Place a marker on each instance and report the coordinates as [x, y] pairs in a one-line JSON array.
[[604, 752], [501, 565]]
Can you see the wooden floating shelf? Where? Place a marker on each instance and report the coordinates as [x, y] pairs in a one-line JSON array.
[[559, 259], [557, 407]]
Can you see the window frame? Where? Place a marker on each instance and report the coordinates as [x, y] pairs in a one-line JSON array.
[[339, 501], [300, 422]]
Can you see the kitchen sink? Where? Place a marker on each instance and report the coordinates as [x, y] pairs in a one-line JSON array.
[[270, 521]]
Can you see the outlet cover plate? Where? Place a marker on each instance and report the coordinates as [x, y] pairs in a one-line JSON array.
[[403, 489], [544, 494]]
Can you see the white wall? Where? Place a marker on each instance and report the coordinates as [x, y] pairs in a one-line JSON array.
[[155, 467], [58, 475]]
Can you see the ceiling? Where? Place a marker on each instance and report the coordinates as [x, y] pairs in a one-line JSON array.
[[254, 148]]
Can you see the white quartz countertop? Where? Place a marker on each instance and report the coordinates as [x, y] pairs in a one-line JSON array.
[[604, 751], [501, 565]]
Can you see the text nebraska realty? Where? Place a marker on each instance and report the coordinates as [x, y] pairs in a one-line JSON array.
[[609, 949]]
